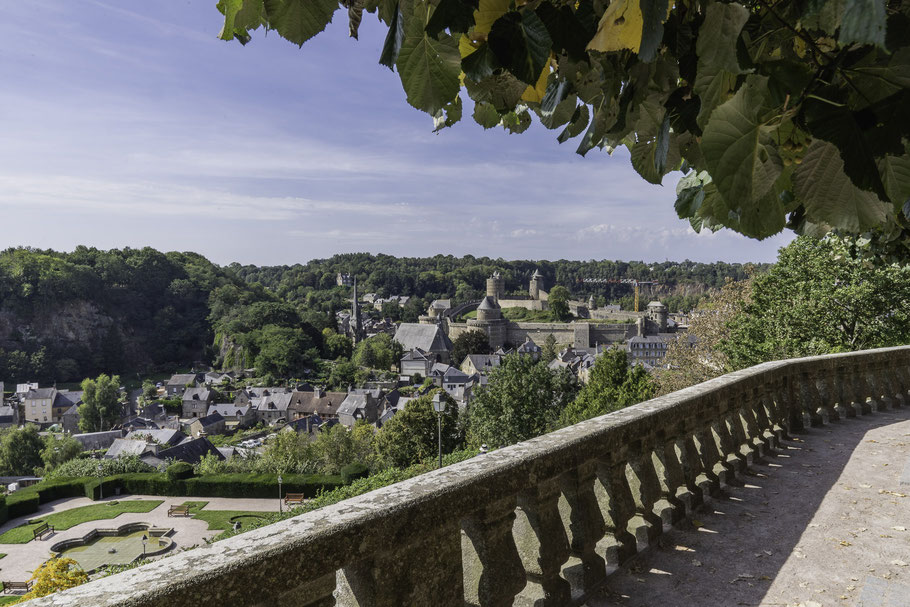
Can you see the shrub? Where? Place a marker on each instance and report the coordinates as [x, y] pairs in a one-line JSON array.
[[21, 503], [76, 468], [352, 472], [179, 470]]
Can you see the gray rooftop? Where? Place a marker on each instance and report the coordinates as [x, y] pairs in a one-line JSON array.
[[428, 338]]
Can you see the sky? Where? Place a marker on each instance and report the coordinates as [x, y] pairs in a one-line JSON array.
[[128, 123]]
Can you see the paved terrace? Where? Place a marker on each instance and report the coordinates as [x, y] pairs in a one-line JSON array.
[[766, 473]]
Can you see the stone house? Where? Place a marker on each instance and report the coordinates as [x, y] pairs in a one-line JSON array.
[[235, 416], [356, 407], [213, 423], [196, 402], [178, 383]]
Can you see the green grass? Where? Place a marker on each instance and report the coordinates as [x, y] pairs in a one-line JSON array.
[[218, 519], [70, 518], [9, 600]]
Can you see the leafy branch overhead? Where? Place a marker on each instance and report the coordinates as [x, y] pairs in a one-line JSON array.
[[779, 113]]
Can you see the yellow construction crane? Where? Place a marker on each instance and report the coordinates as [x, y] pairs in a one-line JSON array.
[[636, 284]]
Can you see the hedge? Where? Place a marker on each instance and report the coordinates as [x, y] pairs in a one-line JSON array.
[[26, 501], [352, 472], [215, 485], [179, 470]]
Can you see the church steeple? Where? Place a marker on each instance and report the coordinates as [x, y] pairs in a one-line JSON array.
[[356, 322]]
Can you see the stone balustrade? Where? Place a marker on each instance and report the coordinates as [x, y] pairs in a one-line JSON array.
[[538, 523]]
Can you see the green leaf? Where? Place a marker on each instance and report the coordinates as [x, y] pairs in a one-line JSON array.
[[737, 146], [522, 44], [503, 90], [650, 154], [448, 116], [824, 15], [393, 39], [239, 17], [863, 22], [385, 9], [299, 20], [557, 108], [486, 115], [516, 122], [716, 49], [895, 172], [429, 68], [596, 130], [480, 64], [454, 15], [829, 196], [653, 14], [567, 31], [878, 76], [576, 125]]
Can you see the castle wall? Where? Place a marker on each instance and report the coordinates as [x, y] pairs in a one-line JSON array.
[[584, 335], [527, 304]]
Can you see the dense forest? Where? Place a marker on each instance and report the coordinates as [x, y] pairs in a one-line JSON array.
[[66, 316]]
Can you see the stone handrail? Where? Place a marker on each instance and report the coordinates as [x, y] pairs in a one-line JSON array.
[[537, 523]]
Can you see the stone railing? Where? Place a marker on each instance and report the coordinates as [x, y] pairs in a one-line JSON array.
[[538, 523]]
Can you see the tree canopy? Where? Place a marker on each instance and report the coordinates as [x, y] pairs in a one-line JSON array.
[[100, 408], [779, 114]]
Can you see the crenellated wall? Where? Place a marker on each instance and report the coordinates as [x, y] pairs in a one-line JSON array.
[[535, 523]]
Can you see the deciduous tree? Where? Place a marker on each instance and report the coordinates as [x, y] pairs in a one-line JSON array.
[[413, 433], [469, 342], [100, 408], [612, 385]]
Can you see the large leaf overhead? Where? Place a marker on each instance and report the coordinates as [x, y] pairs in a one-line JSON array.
[[429, 67], [738, 148], [299, 20], [828, 194], [734, 93]]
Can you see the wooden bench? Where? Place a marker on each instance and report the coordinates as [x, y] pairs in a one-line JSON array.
[[293, 498], [41, 530], [178, 511], [9, 586]]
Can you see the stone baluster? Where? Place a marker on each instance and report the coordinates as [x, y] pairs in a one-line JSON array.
[[619, 507], [736, 424], [778, 409], [859, 392], [868, 387], [755, 436], [671, 478], [809, 399], [586, 524], [761, 412], [493, 571], [710, 458], [693, 471], [788, 400], [898, 396], [901, 373], [543, 546], [880, 382], [731, 458], [645, 491], [426, 570], [827, 394], [845, 390]]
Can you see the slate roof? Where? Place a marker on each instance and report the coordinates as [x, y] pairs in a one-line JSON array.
[[416, 354], [488, 303], [273, 402], [320, 403], [528, 347], [162, 437], [229, 410], [123, 447], [191, 450], [182, 379], [7, 414], [484, 362], [40, 393], [429, 338], [67, 399], [203, 394], [352, 403], [153, 411], [210, 419]]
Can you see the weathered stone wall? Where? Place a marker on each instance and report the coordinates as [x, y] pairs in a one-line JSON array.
[[536, 523]]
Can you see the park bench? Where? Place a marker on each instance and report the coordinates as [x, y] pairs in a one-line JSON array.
[[178, 511], [293, 498], [9, 586], [42, 529]]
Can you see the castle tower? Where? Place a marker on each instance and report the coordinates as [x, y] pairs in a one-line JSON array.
[[536, 285], [658, 314], [496, 286], [490, 321]]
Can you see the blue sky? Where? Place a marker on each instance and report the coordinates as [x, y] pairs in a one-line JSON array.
[[128, 123]]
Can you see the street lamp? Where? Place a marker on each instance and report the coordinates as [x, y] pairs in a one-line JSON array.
[[439, 407], [100, 482], [280, 509], [145, 538]]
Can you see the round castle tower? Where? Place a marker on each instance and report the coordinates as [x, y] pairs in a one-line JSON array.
[[496, 286], [536, 285], [489, 320], [658, 314]]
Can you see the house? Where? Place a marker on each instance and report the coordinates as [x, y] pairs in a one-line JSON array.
[[124, 447], [650, 349], [213, 423], [178, 382], [416, 362], [247, 395], [319, 402], [154, 412], [480, 363], [46, 406], [190, 451], [9, 416], [429, 338], [70, 420], [309, 424], [165, 438], [235, 416], [213, 378], [529, 348], [196, 402], [272, 408], [356, 407], [95, 441]]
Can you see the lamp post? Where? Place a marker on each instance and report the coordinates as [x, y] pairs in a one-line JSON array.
[[439, 407], [280, 509], [145, 538], [100, 482]]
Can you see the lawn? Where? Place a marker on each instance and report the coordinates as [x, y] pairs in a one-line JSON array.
[[219, 519], [70, 518], [9, 600]]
